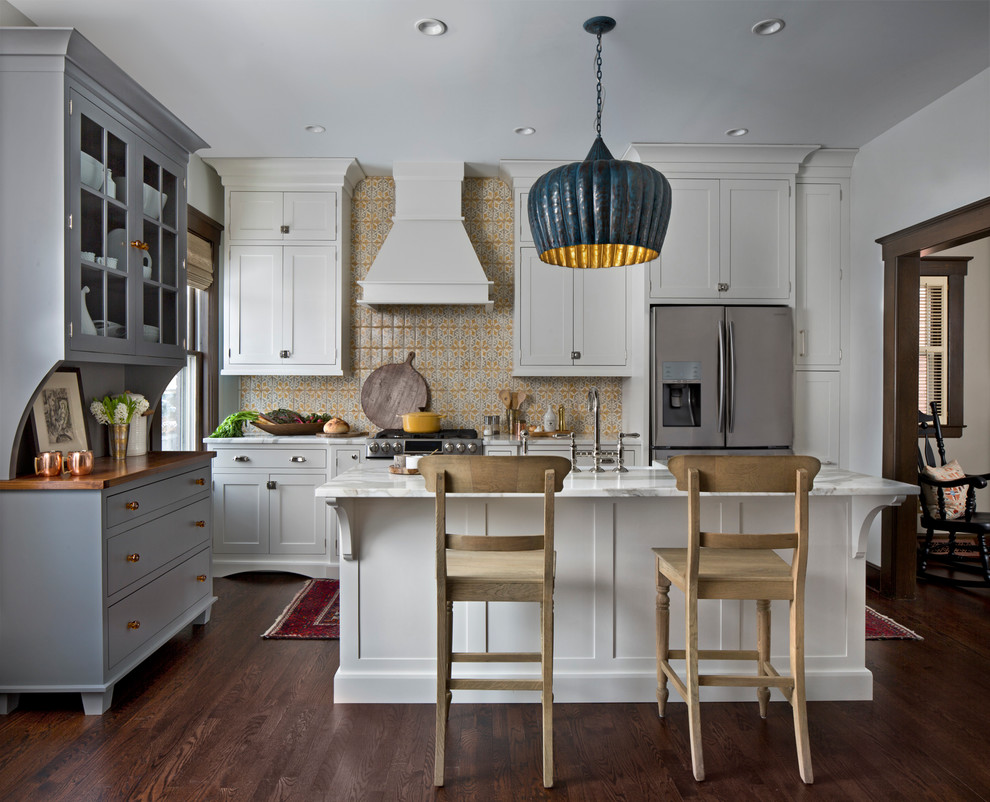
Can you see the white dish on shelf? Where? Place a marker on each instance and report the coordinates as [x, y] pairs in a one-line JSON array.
[[108, 328], [91, 171], [151, 333], [146, 269], [151, 201]]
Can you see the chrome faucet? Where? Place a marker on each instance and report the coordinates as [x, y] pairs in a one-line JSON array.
[[595, 409]]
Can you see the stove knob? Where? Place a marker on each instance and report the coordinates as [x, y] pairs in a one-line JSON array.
[[386, 448], [460, 448], [396, 448], [448, 448], [472, 448], [372, 448]]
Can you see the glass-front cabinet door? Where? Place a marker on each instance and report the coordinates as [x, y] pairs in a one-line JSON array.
[[126, 269]]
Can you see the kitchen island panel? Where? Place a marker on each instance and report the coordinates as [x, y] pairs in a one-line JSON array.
[[605, 596]]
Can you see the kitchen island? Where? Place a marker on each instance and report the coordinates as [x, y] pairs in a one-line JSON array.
[[605, 596]]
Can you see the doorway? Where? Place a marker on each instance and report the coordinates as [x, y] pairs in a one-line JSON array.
[[902, 253]]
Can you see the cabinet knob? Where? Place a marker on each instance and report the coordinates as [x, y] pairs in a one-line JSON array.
[[284, 229], [141, 246], [271, 484], [200, 524], [241, 458], [723, 287], [575, 354], [201, 481], [201, 578], [354, 456], [297, 459], [284, 354], [133, 558], [132, 505], [134, 625]]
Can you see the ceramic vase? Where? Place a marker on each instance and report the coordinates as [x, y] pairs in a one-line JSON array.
[[118, 439]]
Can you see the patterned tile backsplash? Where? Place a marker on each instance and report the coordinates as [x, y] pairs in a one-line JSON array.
[[463, 352]]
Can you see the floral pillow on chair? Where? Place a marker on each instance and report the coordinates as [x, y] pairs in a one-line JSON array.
[[955, 497]]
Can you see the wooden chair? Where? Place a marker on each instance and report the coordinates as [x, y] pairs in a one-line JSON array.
[[498, 568], [718, 565], [940, 503]]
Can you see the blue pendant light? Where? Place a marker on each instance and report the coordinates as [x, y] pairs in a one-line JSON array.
[[601, 212]]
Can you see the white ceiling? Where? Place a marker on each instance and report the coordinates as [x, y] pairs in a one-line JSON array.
[[248, 75]]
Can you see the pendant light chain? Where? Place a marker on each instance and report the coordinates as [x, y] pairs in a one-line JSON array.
[[598, 65]]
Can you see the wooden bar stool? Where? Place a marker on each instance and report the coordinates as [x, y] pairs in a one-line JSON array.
[[718, 565], [497, 568]]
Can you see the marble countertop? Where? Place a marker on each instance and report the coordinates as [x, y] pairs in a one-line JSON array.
[[372, 480], [296, 439]]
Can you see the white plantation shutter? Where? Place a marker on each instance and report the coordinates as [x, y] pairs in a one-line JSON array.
[[933, 344]]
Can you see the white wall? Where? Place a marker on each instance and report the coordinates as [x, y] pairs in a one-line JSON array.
[[205, 191], [935, 161]]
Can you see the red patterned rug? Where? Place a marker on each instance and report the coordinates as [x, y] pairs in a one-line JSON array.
[[314, 614], [879, 627]]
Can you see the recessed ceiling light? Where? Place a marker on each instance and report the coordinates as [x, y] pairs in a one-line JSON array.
[[737, 132], [768, 27], [525, 130], [431, 27], [315, 129]]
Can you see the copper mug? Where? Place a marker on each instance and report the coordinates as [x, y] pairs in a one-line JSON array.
[[79, 463], [48, 463]]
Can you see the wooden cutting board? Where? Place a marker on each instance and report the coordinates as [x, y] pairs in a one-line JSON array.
[[393, 390]]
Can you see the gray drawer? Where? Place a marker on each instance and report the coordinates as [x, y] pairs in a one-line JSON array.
[[134, 503], [146, 548], [136, 619], [281, 458]]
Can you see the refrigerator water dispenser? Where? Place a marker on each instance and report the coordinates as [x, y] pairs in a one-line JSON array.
[[681, 383]]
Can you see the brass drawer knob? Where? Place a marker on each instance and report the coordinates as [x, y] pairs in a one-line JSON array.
[[133, 558], [131, 505], [200, 524], [134, 625], [201, 578], [201, 481]]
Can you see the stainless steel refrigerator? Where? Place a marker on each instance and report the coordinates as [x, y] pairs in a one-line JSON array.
[[722, 379]]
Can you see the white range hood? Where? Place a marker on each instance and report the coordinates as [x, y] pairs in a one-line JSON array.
[[427, 257]]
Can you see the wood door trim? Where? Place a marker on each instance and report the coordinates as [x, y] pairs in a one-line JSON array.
[[902, 252]]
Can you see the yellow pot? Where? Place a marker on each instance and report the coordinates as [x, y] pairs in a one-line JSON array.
[[421, 422]]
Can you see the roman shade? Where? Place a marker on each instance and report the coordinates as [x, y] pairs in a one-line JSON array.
[[199, 262]]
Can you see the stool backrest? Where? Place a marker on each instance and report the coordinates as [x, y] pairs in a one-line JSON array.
[[746, 474], [470, 474]]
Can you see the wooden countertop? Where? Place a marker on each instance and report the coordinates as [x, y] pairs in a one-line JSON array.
[[108, 472]]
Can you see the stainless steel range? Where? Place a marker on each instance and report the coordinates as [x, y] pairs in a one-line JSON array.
[[390, 442]]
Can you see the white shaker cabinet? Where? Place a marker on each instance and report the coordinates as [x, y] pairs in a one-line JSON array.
[[570, 322], [817, 414], [287, 266], [276, 310], [728, 239], [285, 216], [819, 274]]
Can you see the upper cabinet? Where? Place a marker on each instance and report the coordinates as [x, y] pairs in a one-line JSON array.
[[127, 225], [728, 239], [731, 236], [566, 322], [287, 266], [93, 204]]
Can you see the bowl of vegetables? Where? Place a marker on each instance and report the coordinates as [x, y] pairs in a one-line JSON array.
[[288, 422]]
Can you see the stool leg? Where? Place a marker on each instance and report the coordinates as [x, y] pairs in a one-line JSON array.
[[443, 683], [546, 659], [450, 649], [694, 699], [763, 651], [663, 640], [798, 701]]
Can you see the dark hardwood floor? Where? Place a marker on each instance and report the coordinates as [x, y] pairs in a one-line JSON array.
[[220, 714]]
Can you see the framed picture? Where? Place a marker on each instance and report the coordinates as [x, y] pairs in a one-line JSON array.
[[57, 415]]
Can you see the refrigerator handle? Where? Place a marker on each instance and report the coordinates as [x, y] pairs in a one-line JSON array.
[[730, 370], [721, 376]]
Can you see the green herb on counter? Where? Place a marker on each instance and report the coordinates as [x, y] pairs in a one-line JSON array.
[[232, 425]]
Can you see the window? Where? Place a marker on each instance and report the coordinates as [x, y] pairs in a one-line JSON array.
[[940, 340], [190, 403]]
